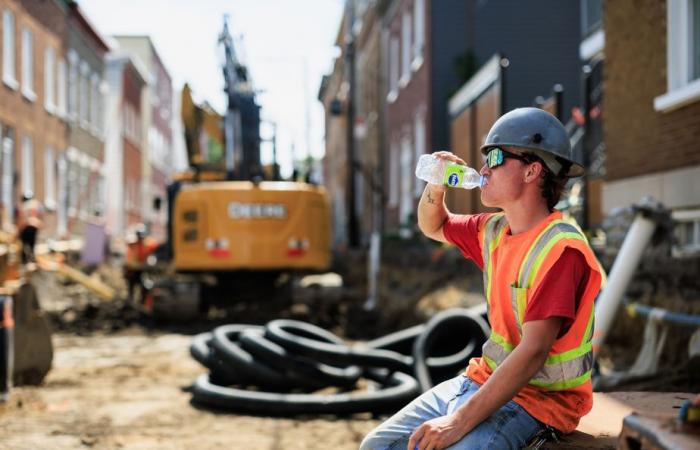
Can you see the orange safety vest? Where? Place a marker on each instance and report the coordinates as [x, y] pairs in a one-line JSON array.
[[514, 266], [137, 252]]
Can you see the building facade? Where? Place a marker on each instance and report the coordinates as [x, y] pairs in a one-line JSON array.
[[157, 139], [126, 79], [81, 173], [368, 128], [407, 43], [333, 94], [510, 61], [652, 110], [32, 120]]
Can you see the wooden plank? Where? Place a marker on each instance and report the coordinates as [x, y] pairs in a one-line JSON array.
[[92, 284], [601, 428]]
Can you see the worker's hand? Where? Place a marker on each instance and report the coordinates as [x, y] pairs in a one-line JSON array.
[[437, 433], [449, 156]]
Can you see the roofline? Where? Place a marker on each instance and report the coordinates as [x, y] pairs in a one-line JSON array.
[[82, 18], [154, 51], [128, 58]]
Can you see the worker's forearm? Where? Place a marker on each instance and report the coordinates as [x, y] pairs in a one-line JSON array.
[[505, 382], [432, 212]]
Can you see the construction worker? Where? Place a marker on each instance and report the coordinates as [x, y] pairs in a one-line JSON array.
[[29, 222], [540, 280], [139, 247]]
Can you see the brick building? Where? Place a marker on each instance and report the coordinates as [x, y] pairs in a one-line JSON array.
[[368, 123], [32, 126], [80, 171], [652, 109], [123, 143], [411, 109], [157, 145]]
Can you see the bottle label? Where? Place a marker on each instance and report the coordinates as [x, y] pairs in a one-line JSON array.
[[454, 174]]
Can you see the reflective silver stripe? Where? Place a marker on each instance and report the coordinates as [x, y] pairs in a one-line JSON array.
[[549, 374], [494, 224], [514, 304], [562, 371], [494, 351], [537, 248]]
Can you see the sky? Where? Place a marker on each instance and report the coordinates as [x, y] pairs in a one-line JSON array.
[[288, 46]]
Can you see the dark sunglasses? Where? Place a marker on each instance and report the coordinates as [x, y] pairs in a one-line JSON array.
[[497, 156]]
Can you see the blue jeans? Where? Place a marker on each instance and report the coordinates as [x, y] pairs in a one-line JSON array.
[[511, 427]]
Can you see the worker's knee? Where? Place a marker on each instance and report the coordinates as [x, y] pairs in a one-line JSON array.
[[375, 441]]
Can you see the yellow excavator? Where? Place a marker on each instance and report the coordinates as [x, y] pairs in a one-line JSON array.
[[235, 232]]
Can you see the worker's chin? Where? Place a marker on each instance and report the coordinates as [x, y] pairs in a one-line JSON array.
[[486, 200]]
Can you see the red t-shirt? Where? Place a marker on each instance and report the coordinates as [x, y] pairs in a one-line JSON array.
[[561, 290]]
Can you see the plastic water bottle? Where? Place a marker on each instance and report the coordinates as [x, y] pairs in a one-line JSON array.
[[446, 173]]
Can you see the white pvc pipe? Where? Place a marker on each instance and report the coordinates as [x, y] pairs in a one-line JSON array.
[[374, 259], [622, 271]]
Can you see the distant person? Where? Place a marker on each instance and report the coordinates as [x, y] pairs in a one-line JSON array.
[[540, 278], [139, 247], [29, 222]]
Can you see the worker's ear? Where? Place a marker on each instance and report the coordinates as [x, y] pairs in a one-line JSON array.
[[533, 172]]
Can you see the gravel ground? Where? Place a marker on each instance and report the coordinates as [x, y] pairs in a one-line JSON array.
[[129, 390]]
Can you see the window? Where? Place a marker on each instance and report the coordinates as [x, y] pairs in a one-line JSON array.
[[49, 80], [96, 188], [84, 175], [102, 95], [94, 100], [8, 171], [683, 55], [394, 175], [72, 181], [101, 193], [419, 147], [84, 103], [8, 50], [695, 40], [687, 231], [61, 97], [28, 65], [72, 85], [406, 205], [27, 166], [591, 16], [49, 178], [62, 208], [419, 30], [405, 50], [393, 69]]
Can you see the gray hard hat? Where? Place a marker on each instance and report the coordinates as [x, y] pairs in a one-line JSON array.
[[541, 133]]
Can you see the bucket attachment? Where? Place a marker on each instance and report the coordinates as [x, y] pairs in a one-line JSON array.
[[33, 350]]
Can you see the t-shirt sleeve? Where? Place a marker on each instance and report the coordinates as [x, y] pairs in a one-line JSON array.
[[463, 232], [561, 290]]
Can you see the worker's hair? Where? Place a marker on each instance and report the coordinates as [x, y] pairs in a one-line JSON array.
[[551, 185]]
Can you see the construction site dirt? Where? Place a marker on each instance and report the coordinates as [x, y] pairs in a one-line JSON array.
[[121, 380]]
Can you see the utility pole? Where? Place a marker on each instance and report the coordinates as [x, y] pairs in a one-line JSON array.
[[353, 237], [559, 102]]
